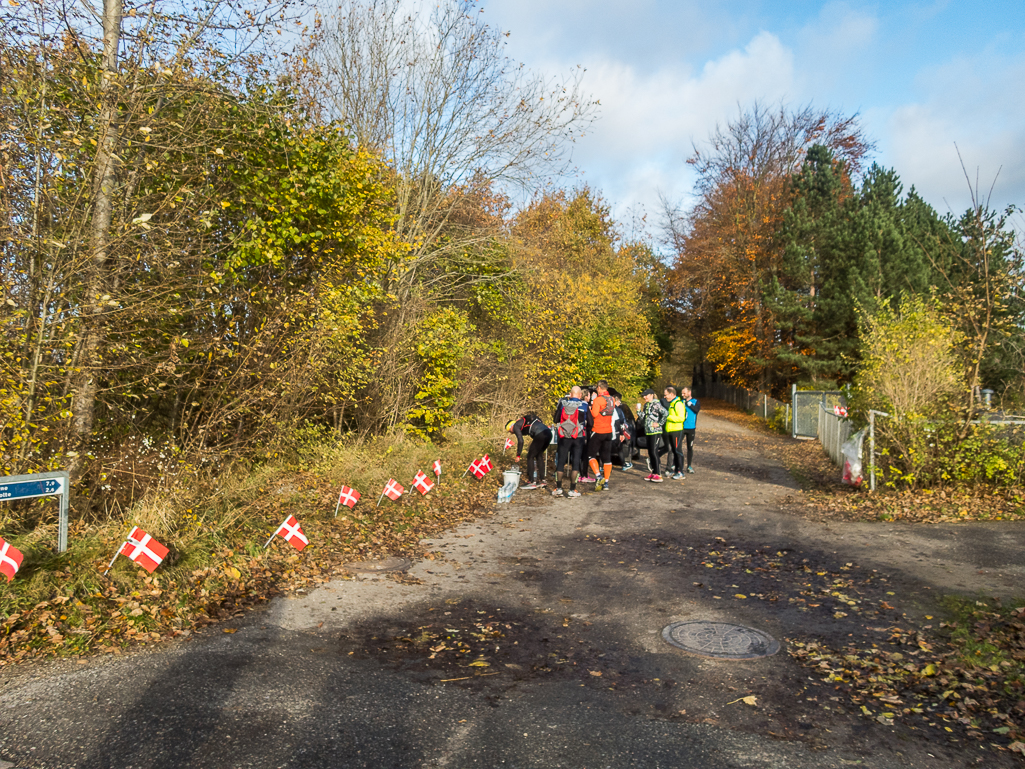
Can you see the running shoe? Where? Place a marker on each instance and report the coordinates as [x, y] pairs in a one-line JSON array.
[[678, 476], [587, 479], [656, 479], [598, 484], [557, 493], [528, 486], [605, 486], [649, 476], [690, 469], [629, 466], [573, 493]]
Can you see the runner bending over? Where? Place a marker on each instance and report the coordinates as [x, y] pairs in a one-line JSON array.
[[541, 439]]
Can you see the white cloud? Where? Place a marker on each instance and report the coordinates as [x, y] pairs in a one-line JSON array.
[[970, 103], [650, 121]]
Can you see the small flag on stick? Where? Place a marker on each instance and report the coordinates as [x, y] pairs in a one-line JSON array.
[[10, 559], [478, 469], [422, 483], [392, 489], [348, 497], [141, 548], [292, 533], [508, 444], [485, 463], [437, 468]]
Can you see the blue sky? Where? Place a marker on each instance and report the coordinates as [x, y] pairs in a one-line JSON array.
[[924, 76]]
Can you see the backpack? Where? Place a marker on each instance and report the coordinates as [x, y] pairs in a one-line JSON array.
[[570, 426], [610, 406]]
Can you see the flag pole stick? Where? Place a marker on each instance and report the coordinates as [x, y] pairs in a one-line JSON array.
[[379, 499], [116, 554], [339, 502], [275, 533]]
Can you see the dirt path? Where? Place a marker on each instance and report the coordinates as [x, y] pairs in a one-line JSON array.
[[534, 639]]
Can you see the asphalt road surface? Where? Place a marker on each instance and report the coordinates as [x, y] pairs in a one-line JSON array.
[[534, 639]]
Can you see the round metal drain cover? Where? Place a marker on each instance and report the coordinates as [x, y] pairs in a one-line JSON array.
[[720, 640], [379, 567]]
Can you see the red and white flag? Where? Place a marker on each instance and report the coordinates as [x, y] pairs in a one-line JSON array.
[[437, 467], [422, 483], [143, 549], [393, 489], [10, 559], [508, 444], [348, 497], [477, 470], [485, 464], [293, 533]]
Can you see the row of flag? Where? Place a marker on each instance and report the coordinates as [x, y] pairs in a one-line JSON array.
[[149, 553]]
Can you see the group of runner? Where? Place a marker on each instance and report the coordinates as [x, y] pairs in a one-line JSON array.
[[590, 423]]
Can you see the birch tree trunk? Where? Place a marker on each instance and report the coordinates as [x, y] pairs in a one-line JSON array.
[[104, 181]]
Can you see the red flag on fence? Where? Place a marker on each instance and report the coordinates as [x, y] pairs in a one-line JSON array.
[[348, 497], [143, 549], [10, 559], [421, 482], [293, 533], [393, 489]]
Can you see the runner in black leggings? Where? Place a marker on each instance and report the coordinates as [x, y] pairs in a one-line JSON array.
[[541, 439]]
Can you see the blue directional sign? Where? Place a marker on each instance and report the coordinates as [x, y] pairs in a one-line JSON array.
[[53, 484], [31, 489]]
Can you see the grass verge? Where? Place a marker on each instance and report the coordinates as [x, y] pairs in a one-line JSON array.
[[217, 568]]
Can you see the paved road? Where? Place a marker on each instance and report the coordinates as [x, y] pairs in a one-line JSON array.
[[561, 604]]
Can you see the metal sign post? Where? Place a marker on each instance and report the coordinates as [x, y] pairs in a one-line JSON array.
[[41, 485]]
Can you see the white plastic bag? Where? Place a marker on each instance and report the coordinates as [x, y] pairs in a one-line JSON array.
[[852, 458]]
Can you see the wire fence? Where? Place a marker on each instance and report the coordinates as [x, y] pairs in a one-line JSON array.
[[834, 432], [757, 403]]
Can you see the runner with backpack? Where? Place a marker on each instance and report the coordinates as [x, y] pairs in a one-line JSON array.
[[572, 422], [541, 439]]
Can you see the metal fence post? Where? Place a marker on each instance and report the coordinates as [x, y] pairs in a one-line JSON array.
[[872, 447]]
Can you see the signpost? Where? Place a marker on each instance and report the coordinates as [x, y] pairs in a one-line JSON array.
[[41, 485]]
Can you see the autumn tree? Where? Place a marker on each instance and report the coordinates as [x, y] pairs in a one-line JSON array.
[[727, 244], [435, 94]]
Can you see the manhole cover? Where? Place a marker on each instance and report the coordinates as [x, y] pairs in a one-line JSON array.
[[720, 640], [379, 567]]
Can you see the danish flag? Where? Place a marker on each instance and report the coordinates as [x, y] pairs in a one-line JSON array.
[[422, 484], [508, 444], [393, 489], [143, 549], [293, 533], [437, 467], [485, 464], [348, 497], [10, 559], [477, 469]]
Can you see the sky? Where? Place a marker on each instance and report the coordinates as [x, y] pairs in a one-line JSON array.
[[928, 79]]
